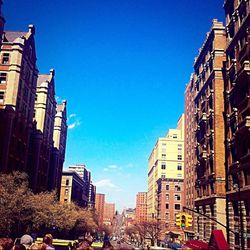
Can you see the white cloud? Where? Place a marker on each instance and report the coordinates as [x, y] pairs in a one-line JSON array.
[[105, 183], [72, 115], [74, 124], [111, 168]]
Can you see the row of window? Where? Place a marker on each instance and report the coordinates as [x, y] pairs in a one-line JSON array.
[[176, 206], [163, 176], [179, 167]]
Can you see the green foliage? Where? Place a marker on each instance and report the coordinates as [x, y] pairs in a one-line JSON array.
[[22, 211]]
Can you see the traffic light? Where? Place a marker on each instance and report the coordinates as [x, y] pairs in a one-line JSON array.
[[189, 220], [178, 220], [183, 220]]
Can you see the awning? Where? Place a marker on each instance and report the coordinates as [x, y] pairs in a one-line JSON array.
[[197, 245]]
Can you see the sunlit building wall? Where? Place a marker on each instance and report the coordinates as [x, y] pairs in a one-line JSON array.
[[165, 177]]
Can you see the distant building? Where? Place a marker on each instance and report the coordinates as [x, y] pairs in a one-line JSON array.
[[99, 206], [109, 213], [141, 207], [72, 186], [165, 178], [92, 196], [89, 191], [128, 216], [80, 169]]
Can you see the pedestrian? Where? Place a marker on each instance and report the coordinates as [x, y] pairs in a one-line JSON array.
[[107, 245], [85, 245], [26, 240], [47, 242]]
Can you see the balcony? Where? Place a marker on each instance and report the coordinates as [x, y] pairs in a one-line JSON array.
[[244, 125], [244, 53]]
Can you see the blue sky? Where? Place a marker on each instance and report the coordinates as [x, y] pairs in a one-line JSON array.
[[122, 65]]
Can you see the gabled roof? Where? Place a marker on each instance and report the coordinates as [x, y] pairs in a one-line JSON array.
[[42, 78], [11, 36], [61, 107]]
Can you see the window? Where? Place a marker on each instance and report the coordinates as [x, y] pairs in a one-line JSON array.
[[1, 96], [167, 206], [167, 196], [5, 58], [3, 77], [177, 206], [177, 197], [66, 192], [163, 166], [163, 156], [174, 136], [67, 182], [167, 187], [65, 200], [179, 167], [179, 175], [177, 188], [163, 176], [179, 157]]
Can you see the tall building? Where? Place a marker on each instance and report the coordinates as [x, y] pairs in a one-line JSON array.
[[141, 207], [18, 78], [237, 122], [89, 189], [189, 180], [58, 152], [99, 206], [109, 213], [92, 196], [165, 178], [128, 217], [209, 132], [42, 136], [80, 169], [72, 187]]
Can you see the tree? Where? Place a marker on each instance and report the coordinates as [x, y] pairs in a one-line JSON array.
[[22, 211]]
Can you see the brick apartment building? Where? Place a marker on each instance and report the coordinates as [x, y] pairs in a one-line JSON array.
[[189, 180], [237, 122], [109, 213], [99, 207], [141, 207], [209, 132]]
